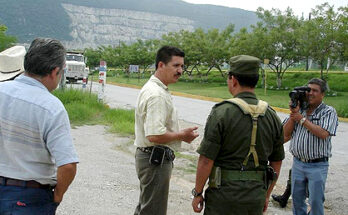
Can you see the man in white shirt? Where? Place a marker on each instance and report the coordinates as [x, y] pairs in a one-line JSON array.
[[156, 128], [37, 157]]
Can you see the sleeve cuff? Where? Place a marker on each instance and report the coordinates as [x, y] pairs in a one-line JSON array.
[[67, 161], [209, 149]]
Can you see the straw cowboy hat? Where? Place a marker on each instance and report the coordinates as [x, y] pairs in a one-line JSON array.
[[11, 62]]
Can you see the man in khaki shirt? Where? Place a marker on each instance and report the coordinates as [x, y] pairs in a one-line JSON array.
[[156, 128]]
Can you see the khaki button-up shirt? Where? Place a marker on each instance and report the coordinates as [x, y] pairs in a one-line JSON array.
[[154, 113]]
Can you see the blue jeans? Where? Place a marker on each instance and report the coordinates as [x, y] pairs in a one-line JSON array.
[[314, 175], [26, 201]]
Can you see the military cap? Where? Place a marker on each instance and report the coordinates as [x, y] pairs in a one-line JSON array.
[[244, 65]]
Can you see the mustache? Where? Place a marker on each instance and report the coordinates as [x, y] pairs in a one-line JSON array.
[[178, 73]]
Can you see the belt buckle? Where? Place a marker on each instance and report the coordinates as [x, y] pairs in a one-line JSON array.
[[145, 149], [303, 160]]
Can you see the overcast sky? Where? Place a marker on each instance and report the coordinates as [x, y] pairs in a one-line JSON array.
[[298, 6]]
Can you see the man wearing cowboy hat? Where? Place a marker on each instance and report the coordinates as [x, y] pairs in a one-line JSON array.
[[37, 157], [11, 62]]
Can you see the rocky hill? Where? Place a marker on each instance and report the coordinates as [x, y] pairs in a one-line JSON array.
[[87, 23]]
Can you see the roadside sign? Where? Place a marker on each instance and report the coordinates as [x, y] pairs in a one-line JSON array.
[[102, 80], [133, 68]]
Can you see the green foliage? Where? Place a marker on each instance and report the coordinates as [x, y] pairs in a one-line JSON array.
[[6, 41], [84, 108], [276, 38], [81, 106], [93, 57], [323, 36], [120, 121]]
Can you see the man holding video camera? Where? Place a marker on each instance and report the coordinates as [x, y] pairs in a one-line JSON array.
[[309, 131], [156, 128]]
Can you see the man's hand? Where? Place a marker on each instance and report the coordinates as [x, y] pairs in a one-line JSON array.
[[296, 117], [296, 109], [295, 113], [57, 197], [189, 134], [198, 204]]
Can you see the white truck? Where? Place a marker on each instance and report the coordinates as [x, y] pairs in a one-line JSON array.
[[75, 67]]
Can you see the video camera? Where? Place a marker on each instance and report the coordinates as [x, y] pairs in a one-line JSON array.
[[299, 95]]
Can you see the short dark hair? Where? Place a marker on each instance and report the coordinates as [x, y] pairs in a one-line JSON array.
[[245, 80], [165, 54], [43, 56], [320, 82]]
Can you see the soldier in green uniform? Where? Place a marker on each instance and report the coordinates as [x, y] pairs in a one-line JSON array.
[[243, 136]]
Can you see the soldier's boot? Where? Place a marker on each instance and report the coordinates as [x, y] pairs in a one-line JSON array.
[[283, 199]]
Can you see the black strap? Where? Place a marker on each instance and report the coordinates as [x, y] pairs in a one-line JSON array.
[[10, 71]]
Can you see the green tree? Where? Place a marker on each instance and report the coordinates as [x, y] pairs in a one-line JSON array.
[[216, 48], [281, 42], [6, 41], [255, 43], [143, 53], [93, 57], [190, 43], [323, 31], [342, 38]]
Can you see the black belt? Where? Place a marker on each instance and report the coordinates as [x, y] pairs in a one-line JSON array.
[[169, 154], [146, 149], [20, 183], [317, 160]]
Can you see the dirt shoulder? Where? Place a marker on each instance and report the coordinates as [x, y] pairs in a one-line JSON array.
[[106, 181]]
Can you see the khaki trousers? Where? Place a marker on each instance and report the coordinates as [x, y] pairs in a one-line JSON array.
[[154, 185]]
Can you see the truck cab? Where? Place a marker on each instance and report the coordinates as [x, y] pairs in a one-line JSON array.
[[75, 67]]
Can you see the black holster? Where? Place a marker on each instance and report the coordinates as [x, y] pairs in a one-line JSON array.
[[270, 176]]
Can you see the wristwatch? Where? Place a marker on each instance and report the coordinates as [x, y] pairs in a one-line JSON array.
[[195, 193], [302, 120]]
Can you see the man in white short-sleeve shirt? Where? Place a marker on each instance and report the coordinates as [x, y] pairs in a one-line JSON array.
[[156, 128], [37, 156]]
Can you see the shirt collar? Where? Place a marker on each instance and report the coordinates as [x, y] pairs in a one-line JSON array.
[[30, 81], [246, 95], [158, 82], [317, 109]]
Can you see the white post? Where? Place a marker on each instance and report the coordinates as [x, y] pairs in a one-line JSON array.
[[84, 83], [102, 80]]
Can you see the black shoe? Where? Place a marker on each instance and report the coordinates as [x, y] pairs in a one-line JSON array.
[[282, 200]]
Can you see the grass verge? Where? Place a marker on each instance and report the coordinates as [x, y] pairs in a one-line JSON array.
[[84, 109]]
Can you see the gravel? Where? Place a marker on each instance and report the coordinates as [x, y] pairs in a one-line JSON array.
[[106, 181]]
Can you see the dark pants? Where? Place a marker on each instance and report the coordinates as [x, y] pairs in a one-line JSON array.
[[154, 185], [26, 201], [236, 198]]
